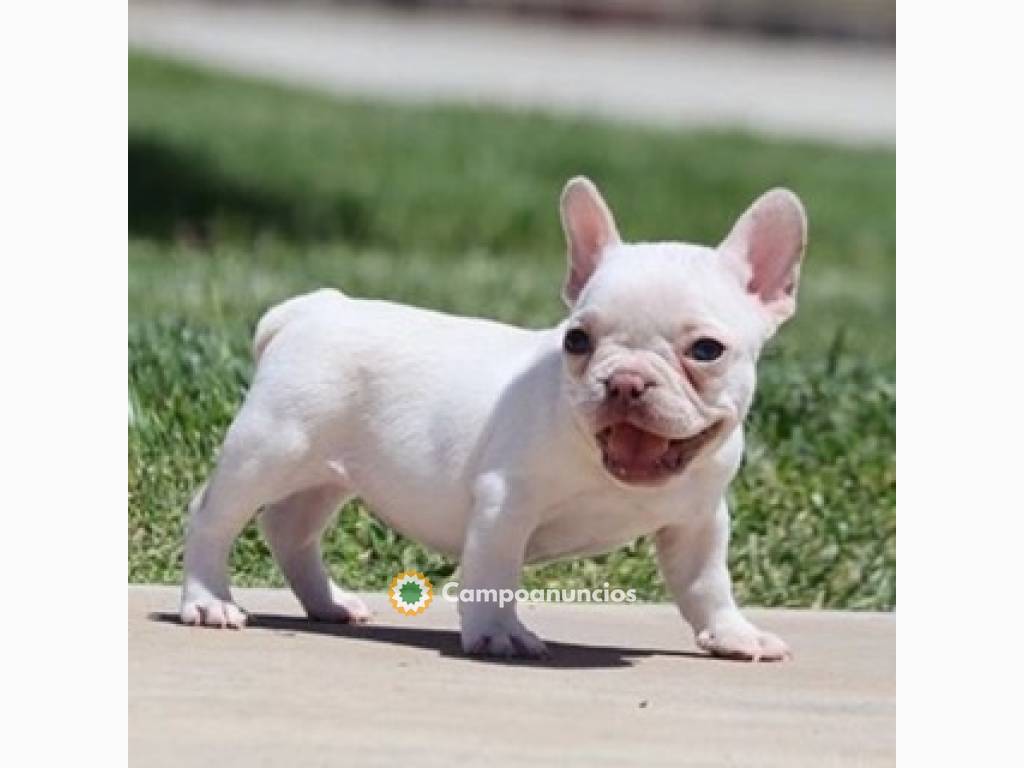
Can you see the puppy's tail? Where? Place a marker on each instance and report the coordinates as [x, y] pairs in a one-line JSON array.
[[266, 329], [278, 317]]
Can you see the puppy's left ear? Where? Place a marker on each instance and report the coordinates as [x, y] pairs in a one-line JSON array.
[[766, 246], [589, 230]]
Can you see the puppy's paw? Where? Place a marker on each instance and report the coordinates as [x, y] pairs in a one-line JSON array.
[[212, 612], [743, 641], [345, 608], [506, 640]]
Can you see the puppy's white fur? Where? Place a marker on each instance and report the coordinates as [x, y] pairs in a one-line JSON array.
[[494, 444]]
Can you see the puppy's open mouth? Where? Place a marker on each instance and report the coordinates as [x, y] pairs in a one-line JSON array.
[[639, 457]]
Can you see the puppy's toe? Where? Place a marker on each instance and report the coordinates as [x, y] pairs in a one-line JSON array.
[[743, 642], [358, 611], [345, 608], [773, 647], [527, 645], [212, 612], [504, 643]]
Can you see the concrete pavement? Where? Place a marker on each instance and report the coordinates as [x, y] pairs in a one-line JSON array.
[[626, 687], [666, 77]]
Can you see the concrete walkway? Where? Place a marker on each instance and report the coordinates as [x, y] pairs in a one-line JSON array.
[[626, 687], [665, 77]]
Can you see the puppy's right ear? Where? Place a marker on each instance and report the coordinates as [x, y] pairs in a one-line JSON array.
[[589, 230], [766, 246]]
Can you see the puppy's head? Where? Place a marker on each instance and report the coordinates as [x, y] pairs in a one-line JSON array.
[[662, 339]]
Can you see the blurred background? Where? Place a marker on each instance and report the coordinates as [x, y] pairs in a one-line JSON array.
[[415, 151]]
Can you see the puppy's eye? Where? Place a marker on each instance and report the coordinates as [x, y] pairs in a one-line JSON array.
[[577, 342], [705, 349]]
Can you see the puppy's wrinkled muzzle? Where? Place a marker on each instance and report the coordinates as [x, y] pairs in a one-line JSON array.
[[626, 388]]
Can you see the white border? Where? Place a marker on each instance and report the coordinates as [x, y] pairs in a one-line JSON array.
[[961, 250], [64, 313], [63, 189]]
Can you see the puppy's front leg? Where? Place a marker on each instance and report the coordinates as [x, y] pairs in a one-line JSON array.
[[694, 560], [492, 563]]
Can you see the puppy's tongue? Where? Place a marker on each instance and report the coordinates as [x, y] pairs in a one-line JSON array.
[[631, 446]]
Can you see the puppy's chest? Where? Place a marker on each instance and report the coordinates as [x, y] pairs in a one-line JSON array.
[[592, 523]]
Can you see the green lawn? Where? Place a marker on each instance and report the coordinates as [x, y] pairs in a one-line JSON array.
[[242, 194]]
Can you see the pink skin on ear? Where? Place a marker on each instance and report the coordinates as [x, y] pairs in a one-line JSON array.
[[589, 229], [767, 244]]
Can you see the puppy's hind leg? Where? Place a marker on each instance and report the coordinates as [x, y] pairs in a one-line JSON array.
[[216, 517], [294, 527], [259, 463]]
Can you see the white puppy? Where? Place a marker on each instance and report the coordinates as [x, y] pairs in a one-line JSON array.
[[503, 445]]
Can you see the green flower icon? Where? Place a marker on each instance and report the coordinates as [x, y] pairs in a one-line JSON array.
[[410, 593]]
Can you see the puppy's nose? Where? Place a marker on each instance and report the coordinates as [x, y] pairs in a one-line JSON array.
[[627, 386]]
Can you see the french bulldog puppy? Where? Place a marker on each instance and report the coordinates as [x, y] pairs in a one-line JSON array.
[[504, 446]]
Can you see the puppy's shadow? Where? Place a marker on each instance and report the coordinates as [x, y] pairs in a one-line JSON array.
[[445, 642]]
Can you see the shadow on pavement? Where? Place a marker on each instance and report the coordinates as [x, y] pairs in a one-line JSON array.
[[446, 642]]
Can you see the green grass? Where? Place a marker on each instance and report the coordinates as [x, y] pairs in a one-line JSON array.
[[242, 194]]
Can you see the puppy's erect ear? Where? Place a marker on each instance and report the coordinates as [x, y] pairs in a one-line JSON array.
[[589, 230], [765, 248]]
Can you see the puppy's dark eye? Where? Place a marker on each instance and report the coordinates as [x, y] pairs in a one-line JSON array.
[[705, 349], [577, 342]]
